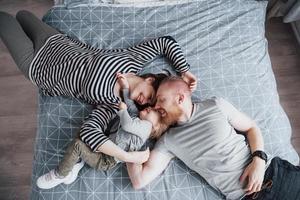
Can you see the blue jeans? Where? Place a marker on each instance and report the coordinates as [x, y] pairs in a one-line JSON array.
[[281, 182]]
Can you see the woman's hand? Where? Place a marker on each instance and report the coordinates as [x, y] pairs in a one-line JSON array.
[[138, 157], [191, 80], [254, 173]]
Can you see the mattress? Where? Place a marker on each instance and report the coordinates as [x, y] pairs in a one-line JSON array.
[[223, 41]]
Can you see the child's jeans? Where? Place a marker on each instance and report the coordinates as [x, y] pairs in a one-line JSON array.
[[78, 149], [281, 182]]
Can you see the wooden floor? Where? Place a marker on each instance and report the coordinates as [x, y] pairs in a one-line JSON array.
[[18, 100]]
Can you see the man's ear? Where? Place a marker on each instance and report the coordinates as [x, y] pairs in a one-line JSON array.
[[180, 98], [150, 79]]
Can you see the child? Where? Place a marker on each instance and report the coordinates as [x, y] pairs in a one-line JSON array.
[[130, 134]]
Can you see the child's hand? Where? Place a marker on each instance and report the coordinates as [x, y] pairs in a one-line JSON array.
[[122, 80], [138, 157], [122, 106]]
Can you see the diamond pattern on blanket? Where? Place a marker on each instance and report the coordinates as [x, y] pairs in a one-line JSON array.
[[223, 41]]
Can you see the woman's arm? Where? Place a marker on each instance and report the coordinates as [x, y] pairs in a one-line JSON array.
[[92, 134], [166, 46]]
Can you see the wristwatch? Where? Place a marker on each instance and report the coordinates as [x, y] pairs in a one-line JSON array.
[[261, 155]]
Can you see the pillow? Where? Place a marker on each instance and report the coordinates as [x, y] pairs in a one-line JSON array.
[[133, 1], [82, 2], [74, 3]]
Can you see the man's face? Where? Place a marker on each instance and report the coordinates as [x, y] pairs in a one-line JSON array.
[[167, 105], [165, 100]]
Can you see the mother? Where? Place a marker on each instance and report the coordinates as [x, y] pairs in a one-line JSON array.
[[60, 65]]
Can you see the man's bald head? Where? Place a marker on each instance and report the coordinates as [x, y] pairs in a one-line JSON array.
[[175, 84], [171, 98]]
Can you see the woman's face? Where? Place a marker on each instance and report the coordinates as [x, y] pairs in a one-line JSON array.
[[143, 93]]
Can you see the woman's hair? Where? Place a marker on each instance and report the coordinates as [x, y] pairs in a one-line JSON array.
[[158, 78]]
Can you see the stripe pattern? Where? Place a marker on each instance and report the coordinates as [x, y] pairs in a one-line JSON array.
[[68, 67]]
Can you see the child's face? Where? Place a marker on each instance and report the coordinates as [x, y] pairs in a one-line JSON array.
[[150, 114]]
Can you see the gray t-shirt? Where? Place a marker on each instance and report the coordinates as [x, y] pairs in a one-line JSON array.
[[209, 145]]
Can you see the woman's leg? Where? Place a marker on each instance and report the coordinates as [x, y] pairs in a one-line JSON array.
[[36, 30], [16, 41]]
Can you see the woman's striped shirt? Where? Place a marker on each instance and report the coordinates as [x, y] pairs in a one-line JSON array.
[[68, 67]]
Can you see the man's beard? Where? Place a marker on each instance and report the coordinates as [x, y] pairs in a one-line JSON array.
[[172, 115]]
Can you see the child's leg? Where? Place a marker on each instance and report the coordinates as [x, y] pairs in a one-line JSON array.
[[71, 157], [36, 30], [106, 162], [79, 149], [16, 41]]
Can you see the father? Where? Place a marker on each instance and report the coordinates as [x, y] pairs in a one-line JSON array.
[[204, 138]]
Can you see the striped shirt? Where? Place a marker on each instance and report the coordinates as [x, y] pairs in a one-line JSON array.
[[68, 67]]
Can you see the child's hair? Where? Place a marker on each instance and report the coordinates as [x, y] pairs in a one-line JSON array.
[[158, 130]]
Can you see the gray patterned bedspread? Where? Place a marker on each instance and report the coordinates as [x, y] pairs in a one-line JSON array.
[[224, 42]]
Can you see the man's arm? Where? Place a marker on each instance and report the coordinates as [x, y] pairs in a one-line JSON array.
[[256, 169], [243, 123], [142, 174]]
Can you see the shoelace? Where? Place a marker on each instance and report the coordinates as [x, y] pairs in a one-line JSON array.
[[48, 176], [266, 185]]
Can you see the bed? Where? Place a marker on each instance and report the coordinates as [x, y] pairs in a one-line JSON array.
[[223, 41]]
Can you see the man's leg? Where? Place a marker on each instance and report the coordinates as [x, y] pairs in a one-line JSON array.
[[36, 30], [16, 41]]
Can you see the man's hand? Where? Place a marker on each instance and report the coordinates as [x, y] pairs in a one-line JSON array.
[[254, 172], [191, 80], [122, 80]]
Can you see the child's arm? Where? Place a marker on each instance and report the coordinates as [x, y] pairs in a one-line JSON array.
[[136, 126], [131, 107]]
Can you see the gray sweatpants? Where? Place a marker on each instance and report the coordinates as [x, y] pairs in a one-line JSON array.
[[24, 36]]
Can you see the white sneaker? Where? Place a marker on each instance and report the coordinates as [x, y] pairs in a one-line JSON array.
[[74, 173], [50, 180]]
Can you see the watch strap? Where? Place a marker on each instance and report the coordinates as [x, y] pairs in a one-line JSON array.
[[260, 154]]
